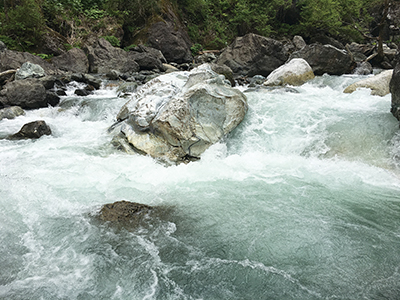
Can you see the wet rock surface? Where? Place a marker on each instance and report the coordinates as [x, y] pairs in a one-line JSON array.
[[123, 212], [176, 117], [32, 130]]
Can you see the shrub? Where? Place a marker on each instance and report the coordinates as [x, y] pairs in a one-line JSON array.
[[112, 40]]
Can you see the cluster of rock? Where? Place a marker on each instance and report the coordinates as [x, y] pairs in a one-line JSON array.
[[30, 82]]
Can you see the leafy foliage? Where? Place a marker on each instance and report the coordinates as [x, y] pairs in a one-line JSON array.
[[23, 22], [112, 40]]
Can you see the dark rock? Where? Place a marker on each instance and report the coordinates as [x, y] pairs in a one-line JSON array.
[[395, 90], [82, 92], [365, 49], [325, 59], [75, 60], [253, 55], [224, 70], [28, 94], [32, 130], [326, 40], [11, 112], [52, 98], [61, 93], [148, 58], [103, 58], [48, 82], [123, 212], [13, 60], [53, 43], [172, 41], [6, 76]]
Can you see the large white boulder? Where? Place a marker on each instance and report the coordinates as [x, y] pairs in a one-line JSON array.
[[178, 116], [295, 72], [379, 84]]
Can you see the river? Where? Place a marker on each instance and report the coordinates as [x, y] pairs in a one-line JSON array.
[[301, 201]]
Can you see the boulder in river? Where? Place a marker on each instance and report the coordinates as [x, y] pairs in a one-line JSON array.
[[177, 116], [32, 130], [253, 54], [295, 72], [325, 59], [28, 94], [123, 211], [379, 84]]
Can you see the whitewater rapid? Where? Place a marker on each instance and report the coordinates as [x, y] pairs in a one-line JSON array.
[[301, 201]]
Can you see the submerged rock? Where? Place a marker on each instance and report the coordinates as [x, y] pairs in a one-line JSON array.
[[123, 211], [179, 115], [295, 72], [32, 130], [379, 84]]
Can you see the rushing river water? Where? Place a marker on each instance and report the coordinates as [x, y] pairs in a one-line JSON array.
[[301, 201]]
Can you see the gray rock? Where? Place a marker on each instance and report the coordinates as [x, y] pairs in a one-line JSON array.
[[148, 58], [253, 55], [179, 115], [29, 70], [28, 94], [363, 68], [92, 80], [103, 58], [113, 75], [75, 60], [2, 46], [12, 60], [205, 58], [32, 130], [325, 59], [11, 112], [299, 42], [172, 41]]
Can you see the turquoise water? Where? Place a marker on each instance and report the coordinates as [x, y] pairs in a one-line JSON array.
[[301, 201]]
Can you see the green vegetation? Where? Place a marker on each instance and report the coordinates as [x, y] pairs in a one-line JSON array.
[[112, 40], [211, 23]]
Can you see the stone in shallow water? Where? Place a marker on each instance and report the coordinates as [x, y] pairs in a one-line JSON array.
[[123, 211], [32, 130]]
